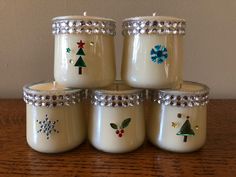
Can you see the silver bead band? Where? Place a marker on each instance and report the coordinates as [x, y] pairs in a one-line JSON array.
[[52, 98], [181, 98], [77, 24], [153, 25], [117, 100]]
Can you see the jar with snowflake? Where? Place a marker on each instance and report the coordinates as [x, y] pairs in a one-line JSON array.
[[153, 52], [55, 119]]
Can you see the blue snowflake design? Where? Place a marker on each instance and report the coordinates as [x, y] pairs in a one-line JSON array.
[[159, 54]]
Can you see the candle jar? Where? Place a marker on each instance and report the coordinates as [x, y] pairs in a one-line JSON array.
[[153, 52], [54, 117], [116, 123], [178, 117], [84, 51]]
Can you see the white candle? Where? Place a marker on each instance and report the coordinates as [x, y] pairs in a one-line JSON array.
[[54, 117], [153, 52], [116, 122], [177, 119], [84, 54]]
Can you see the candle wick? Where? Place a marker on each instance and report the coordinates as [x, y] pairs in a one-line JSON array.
[[85, 13], [154, 14], [54, 84]]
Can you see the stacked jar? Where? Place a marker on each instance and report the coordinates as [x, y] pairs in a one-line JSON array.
[[153, 59], [84, 58]]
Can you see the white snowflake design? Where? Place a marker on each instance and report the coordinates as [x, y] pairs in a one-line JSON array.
[[47, 126]]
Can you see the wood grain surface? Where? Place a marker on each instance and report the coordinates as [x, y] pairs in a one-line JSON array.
[[217, 158]]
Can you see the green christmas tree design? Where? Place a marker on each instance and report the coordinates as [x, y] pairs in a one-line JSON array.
[[80, 62], [186, 130]]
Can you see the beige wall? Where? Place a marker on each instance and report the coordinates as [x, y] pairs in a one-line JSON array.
[[26, 42]]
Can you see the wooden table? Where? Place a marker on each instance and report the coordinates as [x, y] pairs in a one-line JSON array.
[[217, 158]]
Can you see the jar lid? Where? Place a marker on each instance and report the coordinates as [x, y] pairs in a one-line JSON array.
[[117, 95], [83, 24], [153, 25], [190, 94], [50, 94]]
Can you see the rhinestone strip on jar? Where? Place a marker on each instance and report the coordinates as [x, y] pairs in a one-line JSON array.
[[133, 27], [100, 99], [181, 100], [71, 26], [52, 100]]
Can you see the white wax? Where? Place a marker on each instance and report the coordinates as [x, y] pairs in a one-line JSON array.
[[99, 59], [138, 70], [161, 132], [104, 137], [48, 86]]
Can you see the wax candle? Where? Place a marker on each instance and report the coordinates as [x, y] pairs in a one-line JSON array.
[[153, 51], [177, 119], [116, 122], [84, 51], [54, 117]]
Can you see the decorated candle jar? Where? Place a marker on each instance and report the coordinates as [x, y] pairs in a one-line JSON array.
[[153, 52], [84, 51], [178, 118], [116, 122], [54, 117]]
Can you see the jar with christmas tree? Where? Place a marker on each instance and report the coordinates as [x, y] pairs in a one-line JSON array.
[[84, 55], [178, 118]]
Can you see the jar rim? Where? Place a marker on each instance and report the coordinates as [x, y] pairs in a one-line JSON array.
[[183, 90], [155, 18], [117, 88], [51, 98], [122, 96], [81, 17], [187, 97], [62, 91]]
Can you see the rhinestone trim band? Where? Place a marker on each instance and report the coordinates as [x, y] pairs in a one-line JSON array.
[[117, 100], [144, 26], [52, 98], [88, 26], [180, 99]]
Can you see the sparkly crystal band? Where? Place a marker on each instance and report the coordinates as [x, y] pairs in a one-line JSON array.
[[123, 100], [52, 99], [71, 26], [180, 100], [133, 27]]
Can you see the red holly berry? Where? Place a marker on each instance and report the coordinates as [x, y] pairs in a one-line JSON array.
[[122, 131], [117, 131], [120, 135]]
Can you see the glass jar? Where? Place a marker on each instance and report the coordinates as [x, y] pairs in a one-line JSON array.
[[84, 53], [54, 117], [178, 118], [153, 52], [116, 123]]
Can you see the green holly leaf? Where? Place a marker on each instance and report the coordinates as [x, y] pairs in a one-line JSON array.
[[114, 126], [125, 123]]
